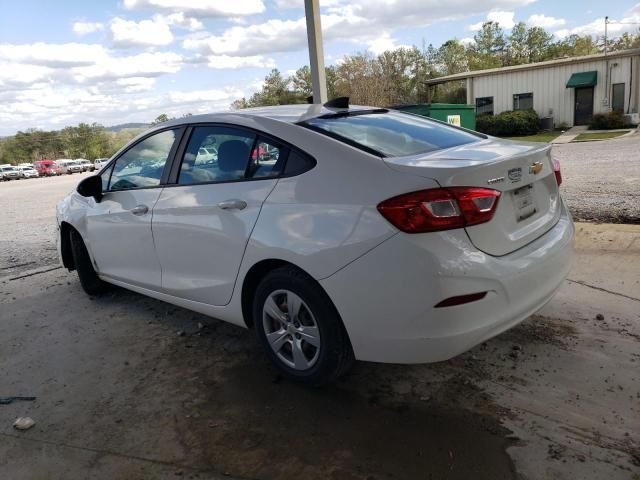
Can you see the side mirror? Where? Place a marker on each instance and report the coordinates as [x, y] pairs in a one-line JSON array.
[[91, 187]]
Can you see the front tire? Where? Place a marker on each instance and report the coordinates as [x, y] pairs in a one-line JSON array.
[[89, 279], [300, 329]]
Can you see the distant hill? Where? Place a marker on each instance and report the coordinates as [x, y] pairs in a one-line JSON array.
[[125, 126]]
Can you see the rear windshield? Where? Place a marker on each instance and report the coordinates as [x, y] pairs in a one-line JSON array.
[[392, 134]]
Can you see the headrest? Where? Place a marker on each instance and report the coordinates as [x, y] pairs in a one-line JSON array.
[[233, 156]]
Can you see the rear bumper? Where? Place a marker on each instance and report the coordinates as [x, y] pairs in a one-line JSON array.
[[386, 298]]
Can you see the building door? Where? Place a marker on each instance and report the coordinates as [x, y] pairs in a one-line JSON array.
[[583, 106], [617, 97]]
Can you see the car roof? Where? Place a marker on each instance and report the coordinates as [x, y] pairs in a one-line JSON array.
[[281, 113]]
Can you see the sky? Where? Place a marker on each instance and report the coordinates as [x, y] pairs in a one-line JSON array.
[[120, 61]]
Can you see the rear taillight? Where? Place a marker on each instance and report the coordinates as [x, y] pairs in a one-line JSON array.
[[440, 208], [556, 170]]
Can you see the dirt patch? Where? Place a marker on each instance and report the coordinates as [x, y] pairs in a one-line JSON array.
[[258, 426], [541, 330], [604, 216]]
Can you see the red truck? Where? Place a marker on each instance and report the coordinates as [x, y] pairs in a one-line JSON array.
[[47, 168]]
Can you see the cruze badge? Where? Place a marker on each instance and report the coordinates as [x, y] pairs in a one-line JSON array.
[[536, 168], [491, 181]]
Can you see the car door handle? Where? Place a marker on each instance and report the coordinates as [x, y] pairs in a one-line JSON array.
[[140, 210], [233, 204]]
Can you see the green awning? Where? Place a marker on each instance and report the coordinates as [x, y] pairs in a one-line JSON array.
[[583, 79]]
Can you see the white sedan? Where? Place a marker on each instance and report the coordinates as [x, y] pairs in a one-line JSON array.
[[335, 233]]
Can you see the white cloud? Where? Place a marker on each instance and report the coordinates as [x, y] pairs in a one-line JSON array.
[[383, 43], [53, 55], [205, 8], [47, 107], [628, 23], [466, 41], [229, 62], [181, 20], [505, 19], [84, 28], [148, 64], [545, 22], [146, 33], [289, 4], [365, 22]]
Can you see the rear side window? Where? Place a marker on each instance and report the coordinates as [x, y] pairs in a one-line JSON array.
[[392, 134], [266, 160], [216, 154], [298, 163]]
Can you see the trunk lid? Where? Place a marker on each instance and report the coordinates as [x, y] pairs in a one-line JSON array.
[[529, 203]]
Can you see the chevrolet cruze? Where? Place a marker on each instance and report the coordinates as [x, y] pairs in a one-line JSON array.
[[337, 233]]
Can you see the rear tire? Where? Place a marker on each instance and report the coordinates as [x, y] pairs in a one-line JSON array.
[[89, 279], [300, 329]]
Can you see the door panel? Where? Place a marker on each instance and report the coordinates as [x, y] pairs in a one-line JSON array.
[[200, 235], [119, 227], [202, 225], [120, 240], [583, 105]]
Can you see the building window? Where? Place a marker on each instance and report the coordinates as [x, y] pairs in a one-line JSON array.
[[523, 101], [617, 97], [484, 105]]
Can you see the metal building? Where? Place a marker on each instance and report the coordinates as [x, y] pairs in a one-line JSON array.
[[570, 90]]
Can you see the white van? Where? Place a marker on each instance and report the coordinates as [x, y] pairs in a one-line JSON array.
[[69, 166]]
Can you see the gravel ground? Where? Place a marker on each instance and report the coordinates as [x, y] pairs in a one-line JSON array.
[[601, 180], [28, 221]]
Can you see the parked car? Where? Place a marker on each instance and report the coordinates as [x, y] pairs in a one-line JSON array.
[[25, 165], [27, 172], [99, 163], [86, 165], [9, 172], [374, 235], [69, 166], [47, 168]]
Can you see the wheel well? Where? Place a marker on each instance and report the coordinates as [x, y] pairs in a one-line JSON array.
[[252, 280], [65, 246]]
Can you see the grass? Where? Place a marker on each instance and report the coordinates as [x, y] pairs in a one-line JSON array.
[[538, 137], [584, 137]]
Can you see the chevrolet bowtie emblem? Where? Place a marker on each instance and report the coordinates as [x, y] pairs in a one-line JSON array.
[[536, 168]]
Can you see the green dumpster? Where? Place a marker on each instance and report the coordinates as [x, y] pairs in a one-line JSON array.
[[457, 114]]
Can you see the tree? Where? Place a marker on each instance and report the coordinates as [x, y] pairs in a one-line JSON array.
[[301, 81], [489, 48], [538, 43], [518, 48], [452, 58], [163, 117], [626, 41]]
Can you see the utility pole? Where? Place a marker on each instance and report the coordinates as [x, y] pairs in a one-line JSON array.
[[606, 42], [316, 52], [605, 101]]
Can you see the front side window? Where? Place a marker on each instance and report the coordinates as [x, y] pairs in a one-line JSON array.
[[484, 105], [391, 134], [142, 165], [523, 101], [216, 154]]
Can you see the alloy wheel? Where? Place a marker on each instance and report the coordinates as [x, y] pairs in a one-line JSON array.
[[291, 329]]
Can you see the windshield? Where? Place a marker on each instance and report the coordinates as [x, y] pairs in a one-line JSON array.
[[8, 169], [392, 134]]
